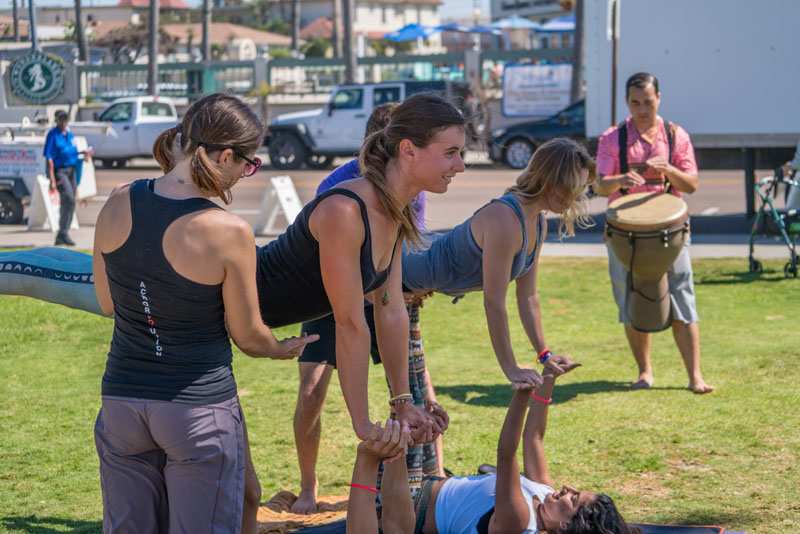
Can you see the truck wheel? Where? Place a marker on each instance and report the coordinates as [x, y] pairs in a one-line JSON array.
[[10, 208], [319, 162], [120, 163], [287, 152], [106, 163], [518, 153]]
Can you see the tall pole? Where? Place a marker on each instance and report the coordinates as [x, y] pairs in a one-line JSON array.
[[577, 62], [152, 49], [614, 60], [350, 64], [15, 16], [295, 25], [337, 28], [32, 25], [206, 30], [80, 35]]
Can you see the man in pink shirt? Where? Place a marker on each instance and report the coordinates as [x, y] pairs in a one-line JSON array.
[[651, 167]]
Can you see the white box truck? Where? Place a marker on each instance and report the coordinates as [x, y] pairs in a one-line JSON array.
[[729, 73]]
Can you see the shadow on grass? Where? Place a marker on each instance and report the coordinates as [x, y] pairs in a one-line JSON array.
[[743, 277], [731, 521], [499, 395], [50, 525]]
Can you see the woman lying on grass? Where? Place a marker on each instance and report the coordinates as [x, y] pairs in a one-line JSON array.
[[501, 503]]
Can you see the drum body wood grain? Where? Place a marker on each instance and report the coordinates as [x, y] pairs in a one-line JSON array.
[[646, 232]]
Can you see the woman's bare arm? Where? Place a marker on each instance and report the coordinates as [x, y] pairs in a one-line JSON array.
[[499, 228], [339, 229], [511, 513]]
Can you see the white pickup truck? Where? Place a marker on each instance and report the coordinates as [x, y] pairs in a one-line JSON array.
[[135, 123]]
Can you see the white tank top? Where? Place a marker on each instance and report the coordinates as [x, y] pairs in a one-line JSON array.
[[462, 501]]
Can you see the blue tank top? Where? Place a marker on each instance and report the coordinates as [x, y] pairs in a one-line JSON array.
[[453, 263], [170, 342], [288, 271]]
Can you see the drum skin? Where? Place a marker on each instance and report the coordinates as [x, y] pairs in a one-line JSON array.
[[646, 232]]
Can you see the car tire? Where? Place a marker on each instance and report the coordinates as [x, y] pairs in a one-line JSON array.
[[518, 153], [319, 162], [120, 163], [106, 163], [287, 152], [10, 208]]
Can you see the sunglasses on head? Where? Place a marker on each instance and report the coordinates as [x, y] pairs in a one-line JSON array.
[[250, 168]]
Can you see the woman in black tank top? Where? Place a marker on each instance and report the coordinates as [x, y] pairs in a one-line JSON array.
[[170, 265]]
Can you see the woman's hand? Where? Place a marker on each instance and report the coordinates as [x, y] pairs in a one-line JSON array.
[[519, 375], [438, 413], [661, 165], [423, 427], [558, 365], [385, 443], [292, 347]]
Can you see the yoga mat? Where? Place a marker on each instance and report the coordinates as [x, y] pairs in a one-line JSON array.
[[339, 528]]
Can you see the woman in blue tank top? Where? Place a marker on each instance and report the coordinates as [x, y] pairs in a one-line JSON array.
[[177, 273], [502, 502], [502, 242]]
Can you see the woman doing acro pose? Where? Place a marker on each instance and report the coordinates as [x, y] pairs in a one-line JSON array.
[[505, 502]]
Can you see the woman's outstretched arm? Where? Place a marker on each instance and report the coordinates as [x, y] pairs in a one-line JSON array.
[[499, 247]]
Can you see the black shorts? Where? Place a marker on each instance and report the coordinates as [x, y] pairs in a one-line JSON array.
[[324, 350]]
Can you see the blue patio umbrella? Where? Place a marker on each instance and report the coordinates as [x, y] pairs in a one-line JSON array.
[[479, 28], [515, 22], [453, 27], [410, 32], [558, 24]]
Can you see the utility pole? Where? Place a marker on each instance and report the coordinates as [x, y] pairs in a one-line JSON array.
[[32, 25], [15, 16], [152, 50], [350, 64], [576, 89], [295, 25], [80, 35], [206, 52], [337, 28]]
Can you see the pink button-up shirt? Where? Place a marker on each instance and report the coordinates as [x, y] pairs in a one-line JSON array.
[[639, 151]]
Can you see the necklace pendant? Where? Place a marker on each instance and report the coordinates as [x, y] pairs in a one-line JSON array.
[[385, 298]]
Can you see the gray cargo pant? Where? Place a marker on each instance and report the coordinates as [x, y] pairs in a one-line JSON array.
[[167, 467], [67, 190]]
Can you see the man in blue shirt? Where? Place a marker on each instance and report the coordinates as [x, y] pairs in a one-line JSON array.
[[62, 160]]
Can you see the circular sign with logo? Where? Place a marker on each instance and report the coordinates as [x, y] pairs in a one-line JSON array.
[[37, 77]]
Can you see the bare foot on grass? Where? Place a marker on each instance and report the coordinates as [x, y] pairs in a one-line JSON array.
[[306, 502], [699, 387]]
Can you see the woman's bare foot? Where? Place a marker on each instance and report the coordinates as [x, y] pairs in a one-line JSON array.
[[306, 502], [699, 387]]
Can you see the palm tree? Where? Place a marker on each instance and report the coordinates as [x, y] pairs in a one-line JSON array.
[[576, 89], [15, 17], [80, 35], [337, 28], [206, 29], [295, 24]]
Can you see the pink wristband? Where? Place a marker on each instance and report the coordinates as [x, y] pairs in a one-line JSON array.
[[368, 488], [541, 400]]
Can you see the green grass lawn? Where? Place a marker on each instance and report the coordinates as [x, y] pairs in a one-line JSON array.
[[665, 455]]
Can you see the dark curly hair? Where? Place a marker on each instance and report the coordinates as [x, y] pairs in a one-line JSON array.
[[599, 517]]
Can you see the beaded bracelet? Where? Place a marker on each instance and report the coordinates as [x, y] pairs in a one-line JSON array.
[[404, 398], [544, 356]]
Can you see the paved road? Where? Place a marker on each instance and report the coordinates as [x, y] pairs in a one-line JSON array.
[[716, 208]]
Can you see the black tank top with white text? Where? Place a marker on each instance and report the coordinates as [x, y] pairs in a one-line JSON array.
[[170, 342]]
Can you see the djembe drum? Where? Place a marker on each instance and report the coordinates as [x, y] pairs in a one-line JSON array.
[[646, 232]]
